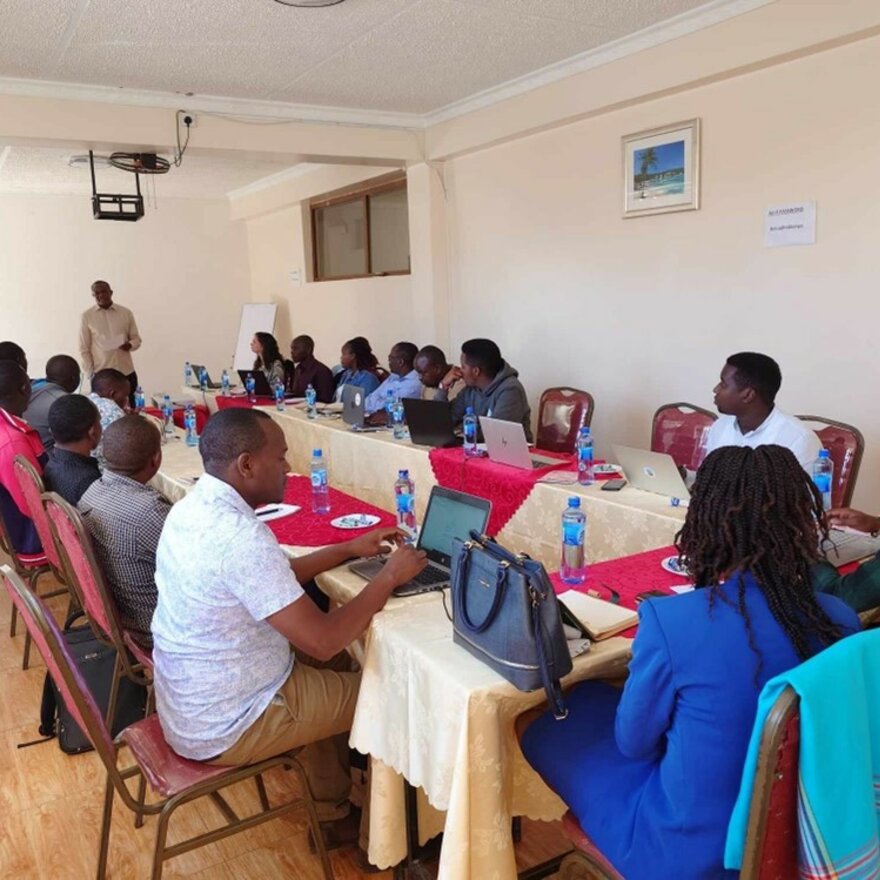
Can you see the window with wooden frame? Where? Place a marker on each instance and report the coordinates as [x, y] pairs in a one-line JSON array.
[[361, 233]]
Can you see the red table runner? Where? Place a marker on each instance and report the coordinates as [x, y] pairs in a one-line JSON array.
[[202, 415], [307, 529], [241, 401]]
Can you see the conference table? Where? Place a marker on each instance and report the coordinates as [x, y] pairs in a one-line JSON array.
[[428, 712]]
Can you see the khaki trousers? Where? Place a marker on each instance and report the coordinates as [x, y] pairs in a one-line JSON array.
[[313, 708]]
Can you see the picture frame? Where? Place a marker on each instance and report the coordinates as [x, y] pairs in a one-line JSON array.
[[661, 170]]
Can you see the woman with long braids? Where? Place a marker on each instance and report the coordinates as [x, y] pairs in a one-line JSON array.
[[652, 772]]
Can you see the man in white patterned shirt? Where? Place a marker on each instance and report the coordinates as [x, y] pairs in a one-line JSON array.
[[228, 687], [124, 516]]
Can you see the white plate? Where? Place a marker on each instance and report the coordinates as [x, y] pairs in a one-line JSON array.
[[671, 565], [355, 521]]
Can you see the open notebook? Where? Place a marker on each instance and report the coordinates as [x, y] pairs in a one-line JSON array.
[[599, 618]]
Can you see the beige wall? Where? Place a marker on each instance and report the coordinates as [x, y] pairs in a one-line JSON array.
[[643, 311], [182, 268]]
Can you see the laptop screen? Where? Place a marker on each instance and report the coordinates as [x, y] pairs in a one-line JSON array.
[[451, 515]]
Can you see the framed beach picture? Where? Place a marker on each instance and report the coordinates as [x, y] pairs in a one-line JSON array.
[[661, 170]]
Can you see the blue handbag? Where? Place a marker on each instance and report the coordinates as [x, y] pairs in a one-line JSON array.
[[505, 613]]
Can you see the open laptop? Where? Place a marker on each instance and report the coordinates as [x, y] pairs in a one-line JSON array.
[[430, 422], [651, 471], [450, 515], [261, 383], [506, 443], [353, 398], [845, 546], [197, 372]]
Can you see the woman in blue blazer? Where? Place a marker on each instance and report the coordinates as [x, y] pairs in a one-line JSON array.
[[652, 772]]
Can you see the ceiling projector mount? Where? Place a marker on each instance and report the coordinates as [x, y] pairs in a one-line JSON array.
[[123, 206]]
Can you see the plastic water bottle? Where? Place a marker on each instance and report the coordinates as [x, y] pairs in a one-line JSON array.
[[278, 391], [224, 383], [167, 417], [585, 457], [189, 424], [469, 429], [311, 399], [320, 483], [140, 401], [405, 501], [203, 379], [823, 472], [187, 374], [573, 569], [398, 421], [389, 409], [250, 384]]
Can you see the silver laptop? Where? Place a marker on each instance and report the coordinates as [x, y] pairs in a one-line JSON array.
[[353, 398], [845, 546], [450, 515], [506, 443], [651, 471]]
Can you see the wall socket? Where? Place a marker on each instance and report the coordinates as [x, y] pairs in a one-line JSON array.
[[186, 113]]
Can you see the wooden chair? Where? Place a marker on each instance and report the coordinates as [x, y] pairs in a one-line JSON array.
[[847, 446], [679, 430], [176, 780], [562, 413]]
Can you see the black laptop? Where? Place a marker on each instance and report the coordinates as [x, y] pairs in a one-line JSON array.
[[261, 383], [430, 422], [197, 373]]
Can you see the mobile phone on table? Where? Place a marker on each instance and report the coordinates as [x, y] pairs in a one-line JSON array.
[[650, 594], [613, 485]]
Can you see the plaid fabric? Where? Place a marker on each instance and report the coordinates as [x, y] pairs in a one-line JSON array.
[[125, 520]]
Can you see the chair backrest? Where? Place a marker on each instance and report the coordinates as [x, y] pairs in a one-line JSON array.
[[847, 446], [562, 412], [771, 847], [679, 430], [31, 484], [65, 674], [83, 570]]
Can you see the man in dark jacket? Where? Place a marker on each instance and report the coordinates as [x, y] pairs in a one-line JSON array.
[[492, 386]]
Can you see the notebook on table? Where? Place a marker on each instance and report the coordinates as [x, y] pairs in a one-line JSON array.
[[845, 546], [599, 618]]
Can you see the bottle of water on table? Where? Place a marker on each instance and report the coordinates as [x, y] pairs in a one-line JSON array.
[[311, 400], [167, 417], [573, 569], [278, 392], [389, 409], [585, 457], [224, 383], [469, 429], [187, 374], [140, 401], [405, 502], [250, 385], [320, 483], [189, 424], [398, 421], [823, 473], [203, 379]]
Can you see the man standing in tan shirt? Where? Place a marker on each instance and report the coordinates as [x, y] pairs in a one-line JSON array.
[[107, 336]]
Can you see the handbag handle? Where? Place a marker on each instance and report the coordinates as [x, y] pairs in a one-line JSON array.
[[461, 588]]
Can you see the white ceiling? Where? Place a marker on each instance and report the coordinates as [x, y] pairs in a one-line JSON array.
[[398, 56]]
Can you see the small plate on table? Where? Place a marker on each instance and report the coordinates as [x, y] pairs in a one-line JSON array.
[[355, 521], [607, 469], [673, 566]]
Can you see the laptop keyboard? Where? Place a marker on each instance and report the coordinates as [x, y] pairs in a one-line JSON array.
[[430, 575]]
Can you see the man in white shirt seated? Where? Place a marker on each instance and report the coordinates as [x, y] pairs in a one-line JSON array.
[[232, 625], [749, 417]]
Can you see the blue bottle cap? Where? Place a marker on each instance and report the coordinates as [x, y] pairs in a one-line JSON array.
[[585, 430], [316, 453], [403, 475], [574, 501], [469, 411], [824, 453]]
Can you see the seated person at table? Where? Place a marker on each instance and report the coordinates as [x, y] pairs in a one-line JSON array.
[[268, 361], [124, 516], [17, 437], [749, 417], [492, 386], [359, 367], [12, 351], [110, 390], [403, 381], [233, 640], [307, 370], [431, 365], [62, 377], [76, 427], [652, 772]]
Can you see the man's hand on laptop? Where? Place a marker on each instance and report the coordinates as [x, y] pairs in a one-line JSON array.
[[375, 543], [847, 517], [403, 565]]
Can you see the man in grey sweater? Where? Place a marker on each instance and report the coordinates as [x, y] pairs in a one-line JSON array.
[[492, 386]]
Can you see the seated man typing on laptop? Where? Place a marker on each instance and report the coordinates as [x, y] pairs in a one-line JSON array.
[[234, 638]]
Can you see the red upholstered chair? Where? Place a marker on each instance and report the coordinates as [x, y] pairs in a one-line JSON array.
[[678, 430], [846, 445], [176, 780], [772, 834], [562, 412]]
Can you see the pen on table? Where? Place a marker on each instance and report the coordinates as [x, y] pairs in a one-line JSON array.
[[267, 511]]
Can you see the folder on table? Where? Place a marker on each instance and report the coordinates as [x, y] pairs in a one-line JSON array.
[[599, 618]]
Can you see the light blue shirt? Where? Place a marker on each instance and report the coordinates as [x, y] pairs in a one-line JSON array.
[[219, 574], [401, 386]]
